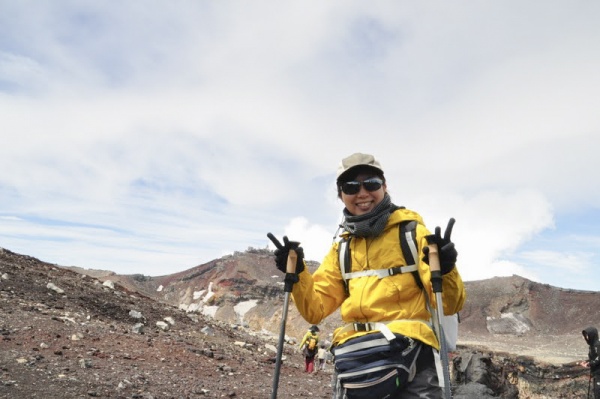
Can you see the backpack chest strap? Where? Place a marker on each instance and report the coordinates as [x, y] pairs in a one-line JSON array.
[[381, 273], [408, 246]]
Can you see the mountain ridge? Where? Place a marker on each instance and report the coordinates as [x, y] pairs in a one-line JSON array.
[[65, 333], [499, 313]]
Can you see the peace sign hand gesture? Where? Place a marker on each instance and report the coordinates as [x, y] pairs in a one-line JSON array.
[[446, 248], [282, 252]]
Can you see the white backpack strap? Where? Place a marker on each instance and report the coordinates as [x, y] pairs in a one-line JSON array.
[[408, 242], [371, 326], [380, 326], [381, 273], [344, 259]]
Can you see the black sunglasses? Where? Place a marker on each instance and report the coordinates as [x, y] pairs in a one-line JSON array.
[[353, 187]]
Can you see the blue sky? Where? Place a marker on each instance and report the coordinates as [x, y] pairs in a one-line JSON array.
[[150, 137]]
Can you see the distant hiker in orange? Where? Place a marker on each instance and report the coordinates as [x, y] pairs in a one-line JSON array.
[[590, 335], [309, 347]]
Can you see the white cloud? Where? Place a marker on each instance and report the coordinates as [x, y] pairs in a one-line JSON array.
[[137, 136], [490, 225], [316, 240], [561, 261]]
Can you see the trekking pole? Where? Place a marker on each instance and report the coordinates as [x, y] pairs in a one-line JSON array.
[[288, 285], [436, 282]]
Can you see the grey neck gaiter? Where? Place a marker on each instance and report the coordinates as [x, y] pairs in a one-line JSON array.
[[370, 224]]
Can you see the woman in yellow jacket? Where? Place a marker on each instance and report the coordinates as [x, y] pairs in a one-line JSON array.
[[372, 301]]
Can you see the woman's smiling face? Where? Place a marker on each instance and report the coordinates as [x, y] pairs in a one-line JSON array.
[[364, 201]]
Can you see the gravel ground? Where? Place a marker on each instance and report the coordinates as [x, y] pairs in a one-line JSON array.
[[75, 339]]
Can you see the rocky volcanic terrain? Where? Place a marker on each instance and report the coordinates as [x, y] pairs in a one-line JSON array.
[[68, 334]]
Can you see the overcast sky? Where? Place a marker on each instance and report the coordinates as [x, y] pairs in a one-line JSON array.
[[153, 136]]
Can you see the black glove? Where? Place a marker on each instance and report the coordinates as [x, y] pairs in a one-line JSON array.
[[282, 251], [446, 249]]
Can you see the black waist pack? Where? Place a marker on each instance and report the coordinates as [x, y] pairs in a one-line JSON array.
[[371, 367]]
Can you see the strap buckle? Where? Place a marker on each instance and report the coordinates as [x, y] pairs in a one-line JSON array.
[[362, 327], [375, 326]]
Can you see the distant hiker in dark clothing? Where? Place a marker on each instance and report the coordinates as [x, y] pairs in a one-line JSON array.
[[309, 347], [591, 337]]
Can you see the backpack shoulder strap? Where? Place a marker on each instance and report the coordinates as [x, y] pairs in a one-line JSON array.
[[345, 261], [408, 244]]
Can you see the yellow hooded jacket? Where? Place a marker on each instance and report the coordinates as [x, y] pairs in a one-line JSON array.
[[307, 336], [397, 299]]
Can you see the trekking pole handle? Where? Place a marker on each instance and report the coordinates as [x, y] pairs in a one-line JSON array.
[[291, 262], [434, 258], [434, 267]]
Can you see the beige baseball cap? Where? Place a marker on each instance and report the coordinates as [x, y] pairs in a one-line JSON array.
[[357, 159]]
